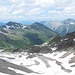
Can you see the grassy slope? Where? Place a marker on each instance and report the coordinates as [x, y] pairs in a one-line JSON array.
[[23, 38], [52, 40]]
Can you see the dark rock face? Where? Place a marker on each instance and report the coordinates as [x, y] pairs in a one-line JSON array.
[[37, 49], [66, 41]]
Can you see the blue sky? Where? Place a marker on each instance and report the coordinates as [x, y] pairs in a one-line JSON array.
[[36, 10]]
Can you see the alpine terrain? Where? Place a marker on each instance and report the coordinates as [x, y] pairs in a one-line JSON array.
[[16, 35], [35, 50], [56, 57], [61, 27], [37, 37]]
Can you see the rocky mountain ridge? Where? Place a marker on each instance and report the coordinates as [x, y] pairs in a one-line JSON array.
[[61, 27]]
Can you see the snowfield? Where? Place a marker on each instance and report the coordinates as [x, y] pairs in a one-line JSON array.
[[56, 63]]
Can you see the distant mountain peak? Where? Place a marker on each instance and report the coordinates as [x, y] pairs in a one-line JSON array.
[[69, 19], [37, 23], [13, 23], [61, 27]]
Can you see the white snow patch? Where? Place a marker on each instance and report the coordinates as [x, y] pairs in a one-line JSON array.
[[4, 28], [72, 23], [17, 71], [3, 74], [24, 27], [74, 39], [55, 69], [66, 39], [61, 39], [65, 61], [54, 48], [7, 27]]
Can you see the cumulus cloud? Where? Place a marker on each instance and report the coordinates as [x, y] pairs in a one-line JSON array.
[[54, 11], [44, 3], [17, 12], [37, 9], [15, 1], [3, 9]]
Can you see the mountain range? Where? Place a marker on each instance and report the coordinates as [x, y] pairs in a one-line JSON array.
[[17, 35], [56, 56], [61, 27], [36, 46], [55, 59]]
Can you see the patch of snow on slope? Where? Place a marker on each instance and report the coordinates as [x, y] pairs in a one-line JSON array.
[[55, 65], [66, 39], [72, 23], [74, 39], [3, 74], [53, 48], [17, 71], [24, 27]]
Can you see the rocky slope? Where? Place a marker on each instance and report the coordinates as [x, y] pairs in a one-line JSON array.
[[61, 27], [57, 58], [57, 43], [22, 63]]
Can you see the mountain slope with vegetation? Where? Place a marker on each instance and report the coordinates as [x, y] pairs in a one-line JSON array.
[[56, 43], [16, 35]]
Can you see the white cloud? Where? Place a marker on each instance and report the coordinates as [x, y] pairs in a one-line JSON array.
[[3, 9], [30, 9], [17, 12], [15, 1], [44, 2], [35, 11], [70, 9], [54, 12]]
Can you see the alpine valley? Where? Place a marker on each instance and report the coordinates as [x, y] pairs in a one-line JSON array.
[[16, 35], [36, 49], [55, 59]]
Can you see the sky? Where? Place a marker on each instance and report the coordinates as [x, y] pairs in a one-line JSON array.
[[36, 10]]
